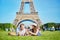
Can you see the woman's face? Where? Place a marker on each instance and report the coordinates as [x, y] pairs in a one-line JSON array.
[[22, 27], [32, 27]]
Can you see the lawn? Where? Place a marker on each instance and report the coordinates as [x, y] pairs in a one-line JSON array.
[[46, 35]]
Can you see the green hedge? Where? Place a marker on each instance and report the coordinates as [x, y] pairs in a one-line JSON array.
[[51, 24], [6, 25]]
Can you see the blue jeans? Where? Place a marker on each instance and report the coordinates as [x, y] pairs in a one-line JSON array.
[[39, 34]]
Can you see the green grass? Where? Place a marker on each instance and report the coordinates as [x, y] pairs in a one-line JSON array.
[[46, 35]]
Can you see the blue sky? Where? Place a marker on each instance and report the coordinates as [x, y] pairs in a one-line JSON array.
[[48, 10]]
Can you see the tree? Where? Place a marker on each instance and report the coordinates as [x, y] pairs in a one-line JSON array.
[[6, 25]]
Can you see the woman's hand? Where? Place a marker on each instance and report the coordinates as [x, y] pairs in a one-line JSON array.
[[30, 32]]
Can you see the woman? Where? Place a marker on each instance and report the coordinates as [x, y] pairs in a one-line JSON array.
[[34, 31], [22, 30]]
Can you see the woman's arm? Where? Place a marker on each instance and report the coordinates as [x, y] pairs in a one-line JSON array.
[[34, 33]]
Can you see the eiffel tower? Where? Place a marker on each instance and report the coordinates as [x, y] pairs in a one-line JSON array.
[[21, 16]]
